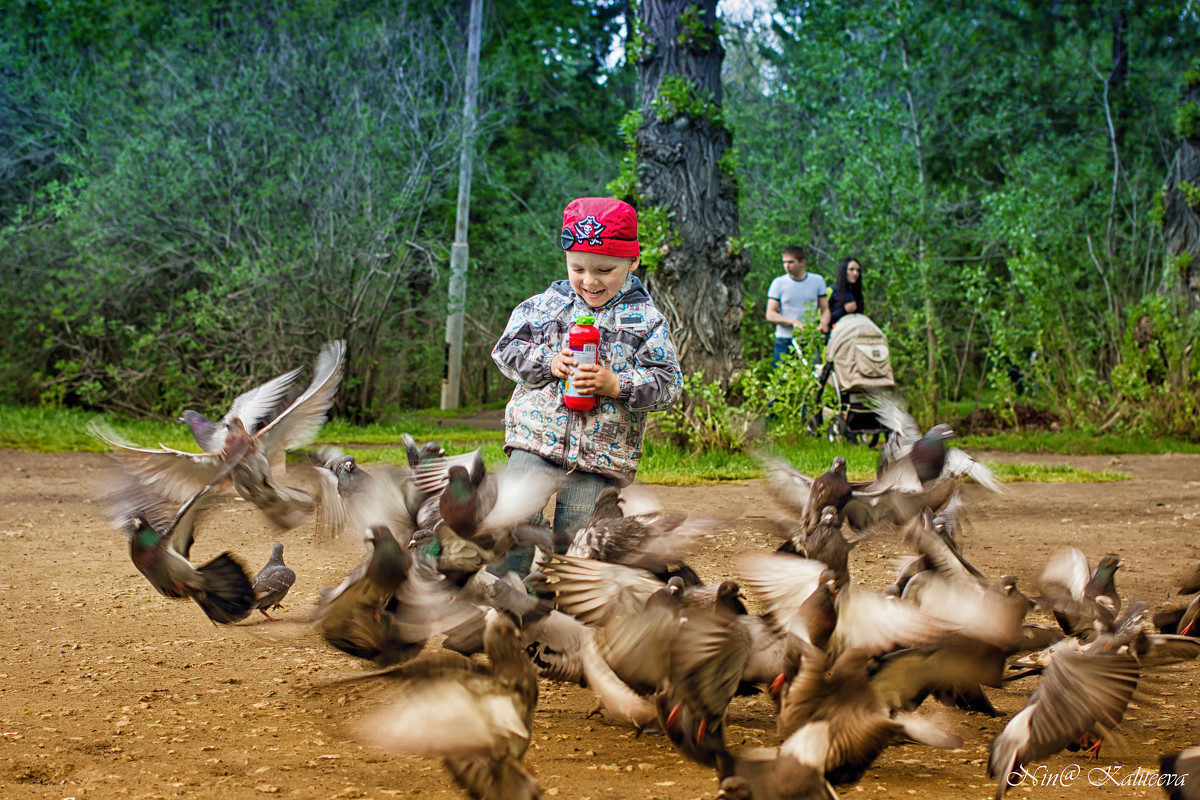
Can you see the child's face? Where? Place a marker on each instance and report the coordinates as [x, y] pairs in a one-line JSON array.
[[597, 278]]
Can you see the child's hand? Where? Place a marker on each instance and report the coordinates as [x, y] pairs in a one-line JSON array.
[[597, 379], [562, 364]]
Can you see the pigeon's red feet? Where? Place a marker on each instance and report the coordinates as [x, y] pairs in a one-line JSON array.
[[1091, 746]]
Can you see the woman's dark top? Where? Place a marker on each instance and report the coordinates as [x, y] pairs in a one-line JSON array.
[[838, 300]]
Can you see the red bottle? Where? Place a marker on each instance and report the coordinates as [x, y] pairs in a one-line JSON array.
[[584, 342]]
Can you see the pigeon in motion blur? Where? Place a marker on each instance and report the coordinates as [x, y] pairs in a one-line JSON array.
[[913, 462], [160, 545], [253, 409], [1084, 691], [476, 717], [1078, 595], [652, 540], [272, 582], [251, 456]]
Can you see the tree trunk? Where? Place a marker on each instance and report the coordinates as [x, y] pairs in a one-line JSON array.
[[698, 283], [1181, 225]]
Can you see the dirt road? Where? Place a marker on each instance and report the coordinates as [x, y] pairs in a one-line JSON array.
[[111, 691]]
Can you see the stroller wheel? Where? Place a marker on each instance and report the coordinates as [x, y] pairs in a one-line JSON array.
[[837, 430]]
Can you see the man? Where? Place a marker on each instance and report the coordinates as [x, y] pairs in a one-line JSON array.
[[794, 300]]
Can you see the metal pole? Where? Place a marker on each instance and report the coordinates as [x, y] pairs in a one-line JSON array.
[[452, 382]]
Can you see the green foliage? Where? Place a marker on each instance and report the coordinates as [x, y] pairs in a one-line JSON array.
[[65, 430], [1187, 120], [1052, 473], [680, 97], [706, 420], [1157, 382], [1191, 75], [728, 163], [626, 182], [695, 32], [656, 234], [762, 402], [193, 199], [1191, 193]]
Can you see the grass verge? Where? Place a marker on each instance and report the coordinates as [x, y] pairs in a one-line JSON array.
[[40, 429]]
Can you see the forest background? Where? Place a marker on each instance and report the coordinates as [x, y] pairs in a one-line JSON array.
[[194, 196]]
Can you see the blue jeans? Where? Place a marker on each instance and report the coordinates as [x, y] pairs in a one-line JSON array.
[[785, 346], [573, 507]]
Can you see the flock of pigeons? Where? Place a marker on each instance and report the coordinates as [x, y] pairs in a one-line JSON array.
[[618, 610]]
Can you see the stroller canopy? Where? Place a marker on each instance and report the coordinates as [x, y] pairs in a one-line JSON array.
[[858, 351]]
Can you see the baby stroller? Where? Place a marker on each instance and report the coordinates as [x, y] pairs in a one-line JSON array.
[[856, 365]]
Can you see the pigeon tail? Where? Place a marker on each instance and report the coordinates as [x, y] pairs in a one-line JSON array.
[[226, 593]]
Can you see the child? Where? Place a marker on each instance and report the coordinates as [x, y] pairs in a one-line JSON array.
[[636, 372]]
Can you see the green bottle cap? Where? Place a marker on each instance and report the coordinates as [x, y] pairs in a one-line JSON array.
[[585, 320]]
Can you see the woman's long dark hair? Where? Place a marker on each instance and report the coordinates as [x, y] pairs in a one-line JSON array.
[[844, 288]]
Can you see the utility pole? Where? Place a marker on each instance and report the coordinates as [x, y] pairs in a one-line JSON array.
[[452, 381]]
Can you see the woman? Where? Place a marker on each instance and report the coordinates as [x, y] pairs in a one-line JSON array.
[[847, 295]]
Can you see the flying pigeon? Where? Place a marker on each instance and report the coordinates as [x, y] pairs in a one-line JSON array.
[[477, 718], [160, 546], [1084, 690], [655, 541], [251, 456], [913, 462]]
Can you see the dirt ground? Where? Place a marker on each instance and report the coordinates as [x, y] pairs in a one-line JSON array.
[[108, 690]]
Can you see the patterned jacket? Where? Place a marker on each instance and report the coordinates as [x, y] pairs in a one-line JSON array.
[[634, 343]]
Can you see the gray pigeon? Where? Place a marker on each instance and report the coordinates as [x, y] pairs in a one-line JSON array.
[[251, 456], [253, 409], [477, 718], [160, 551], [1084, 693], [272, 582]]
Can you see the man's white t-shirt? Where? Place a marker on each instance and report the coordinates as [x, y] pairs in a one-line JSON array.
[[797, 299]]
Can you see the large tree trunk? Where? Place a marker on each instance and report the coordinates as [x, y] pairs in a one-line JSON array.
[[1181, 225], [698, 283]]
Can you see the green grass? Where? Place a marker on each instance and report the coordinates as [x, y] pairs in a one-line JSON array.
[[1043, 473], [65, 430], [1078, 443]]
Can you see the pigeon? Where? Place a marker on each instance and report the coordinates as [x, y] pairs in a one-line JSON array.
[[477, 718], [161, 550], [637, 646], [655, 541], [1078, 595], [1191, 584], [799, 594], [341, 481], [834, 701], [355, 616], [1175, 770], [1084, 691], [937, 554], [253, 409], [985, 627], [708, 657], [914, 462], [827, 544], [866, 506], [793, 772], [830, 488], [272, 582], [478, 518], [251, 456]]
